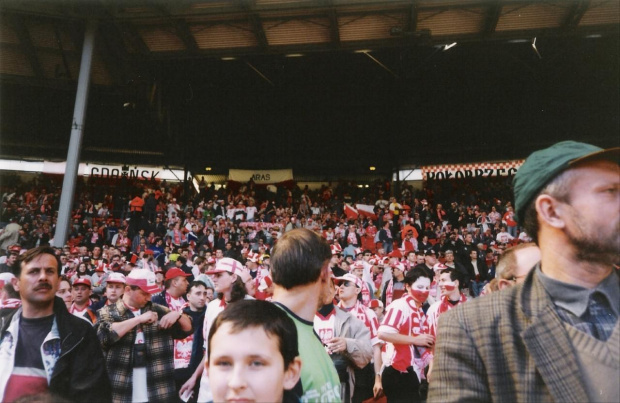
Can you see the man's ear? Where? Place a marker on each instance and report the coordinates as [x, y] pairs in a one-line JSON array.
[[15, 283], [550, 210], [502, 283], [292, 374]]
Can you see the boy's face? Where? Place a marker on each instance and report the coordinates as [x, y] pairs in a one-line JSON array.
[[248, 365], [114, 291]]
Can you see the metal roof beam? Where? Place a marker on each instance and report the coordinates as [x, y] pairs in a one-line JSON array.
[[183, 31], [26, 45], [255, 22], [136, 40], [413, 17], [575, 15], [493, 14], [334, 29]]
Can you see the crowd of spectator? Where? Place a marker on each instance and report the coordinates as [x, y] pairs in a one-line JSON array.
[[184, 239]]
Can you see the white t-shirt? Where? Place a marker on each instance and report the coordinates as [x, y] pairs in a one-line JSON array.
[[139, 388]]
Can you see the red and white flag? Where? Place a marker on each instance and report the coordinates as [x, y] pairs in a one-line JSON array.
[[350, 212], [366, 210]]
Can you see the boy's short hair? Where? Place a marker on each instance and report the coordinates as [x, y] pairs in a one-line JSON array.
[[298, 258], [260, 314]]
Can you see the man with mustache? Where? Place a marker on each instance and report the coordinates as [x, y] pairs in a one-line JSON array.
[[43, 348]]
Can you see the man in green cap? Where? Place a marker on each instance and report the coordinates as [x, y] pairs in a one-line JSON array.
[[555, 337]]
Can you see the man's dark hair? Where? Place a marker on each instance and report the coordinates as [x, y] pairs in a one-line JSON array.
[[195, 283], [32, 254], [414, 274], [455, 275], [181, 259], [260, 314], [298, 258]]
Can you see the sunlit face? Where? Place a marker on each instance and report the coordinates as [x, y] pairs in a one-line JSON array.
[[197, 297], [594, 189], [80, 293], [421, 284], [248, 367], [446, 285], [358, 271], [38, 281], [64, 292], [347, 291], [210, 295], [136, 298], [114, 291], [223, 281]]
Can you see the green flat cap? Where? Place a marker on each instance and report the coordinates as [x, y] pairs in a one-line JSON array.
[[543, 165]]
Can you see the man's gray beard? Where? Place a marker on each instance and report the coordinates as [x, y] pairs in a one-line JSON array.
[[590, 250]]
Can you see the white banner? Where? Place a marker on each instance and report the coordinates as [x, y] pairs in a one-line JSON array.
[[260, 176]]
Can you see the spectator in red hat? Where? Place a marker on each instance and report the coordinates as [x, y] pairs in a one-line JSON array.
[[80, 292], [394, 287], [137, 337], [176, 282]]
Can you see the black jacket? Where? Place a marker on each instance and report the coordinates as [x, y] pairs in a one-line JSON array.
[[80, 373]]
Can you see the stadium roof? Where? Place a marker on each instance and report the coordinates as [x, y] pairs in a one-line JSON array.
[[317, 86]]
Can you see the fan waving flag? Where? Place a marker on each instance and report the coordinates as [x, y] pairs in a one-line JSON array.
[[350, 212], [366, 210]]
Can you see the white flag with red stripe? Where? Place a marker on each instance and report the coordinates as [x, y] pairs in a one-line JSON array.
[[366, 210], [350, 212]]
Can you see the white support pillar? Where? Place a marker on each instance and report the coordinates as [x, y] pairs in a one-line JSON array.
[[77, 132]]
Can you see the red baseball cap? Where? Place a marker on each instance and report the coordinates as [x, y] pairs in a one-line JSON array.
[[175, 272], [82, 280]]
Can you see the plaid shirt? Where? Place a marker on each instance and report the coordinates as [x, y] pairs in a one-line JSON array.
[[119, 353]]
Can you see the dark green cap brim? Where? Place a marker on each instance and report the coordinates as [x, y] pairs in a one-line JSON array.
[[543, 165]]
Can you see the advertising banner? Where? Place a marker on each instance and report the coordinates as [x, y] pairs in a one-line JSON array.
[[259, 176]]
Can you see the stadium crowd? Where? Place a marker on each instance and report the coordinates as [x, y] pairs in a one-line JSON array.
[[393, 255]]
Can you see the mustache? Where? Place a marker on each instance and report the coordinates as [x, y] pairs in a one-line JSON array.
[[43, 287]]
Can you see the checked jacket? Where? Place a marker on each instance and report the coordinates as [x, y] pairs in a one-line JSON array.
[[119, 353]]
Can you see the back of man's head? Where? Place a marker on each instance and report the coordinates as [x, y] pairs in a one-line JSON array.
[[515, 263], [298, 258]]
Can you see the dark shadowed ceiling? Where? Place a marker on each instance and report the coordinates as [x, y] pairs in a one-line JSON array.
[[205, 83]]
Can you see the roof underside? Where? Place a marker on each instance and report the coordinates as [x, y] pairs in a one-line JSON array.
[[208, 83]]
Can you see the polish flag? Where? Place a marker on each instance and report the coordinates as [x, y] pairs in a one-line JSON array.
[[350, 212], [366, 210]]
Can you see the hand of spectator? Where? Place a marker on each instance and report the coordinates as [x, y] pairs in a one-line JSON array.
[[424, 340], [148, 317], [169, 319], [430, 371], [337, 345], [377, 389], [187, 386]]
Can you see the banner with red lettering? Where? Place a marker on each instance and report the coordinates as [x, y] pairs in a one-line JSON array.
[[474, 170]]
